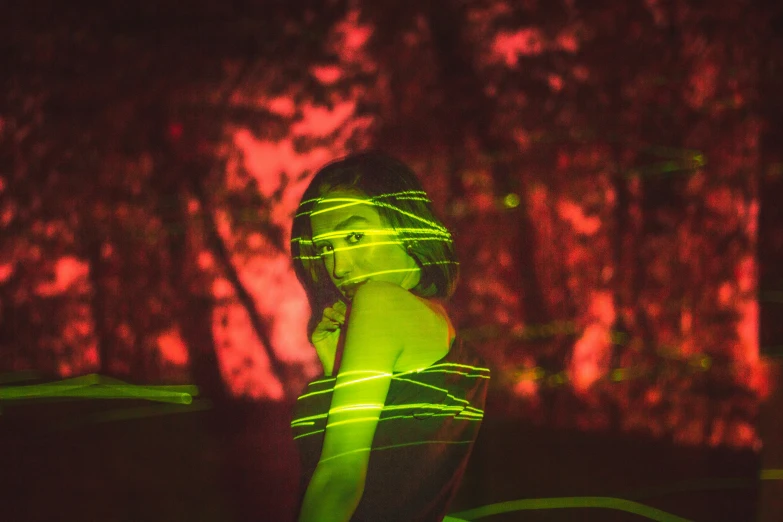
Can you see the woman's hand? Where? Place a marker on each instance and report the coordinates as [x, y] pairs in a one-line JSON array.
[[327, 334]]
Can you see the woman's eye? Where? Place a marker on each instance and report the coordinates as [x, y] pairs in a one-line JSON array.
[[354, 237], [324, 249]]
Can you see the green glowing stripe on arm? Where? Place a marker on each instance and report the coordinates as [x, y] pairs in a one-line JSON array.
[[354, 407], [463, 413], [568, 502], [374, 376], [463, 416]]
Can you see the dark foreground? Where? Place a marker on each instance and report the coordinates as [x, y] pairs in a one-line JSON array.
[[113, 461]]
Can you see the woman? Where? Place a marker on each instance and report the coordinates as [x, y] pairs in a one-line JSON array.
[[388, 438]]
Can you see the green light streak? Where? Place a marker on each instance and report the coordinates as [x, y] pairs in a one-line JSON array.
[[411, 215], [355, 407], [427, 263], [454, 411], [771, 474], [340, 249], [354, 372], [329, 390], [456, 407], [415, 194], [350, 202], [435, 368], [405, 194], [511, 200], [445, 411], [375, 231], [378, 375], [354, 247], [415, 198], [425, 385], [396, 446], [455, 372], [568, 502], [94, 386], [351, 421], [379, 272], [464, 411]]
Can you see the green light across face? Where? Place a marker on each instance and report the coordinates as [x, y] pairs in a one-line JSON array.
[[341, 249], [405, 194], [347, 202], [341, 223], [374, 201]]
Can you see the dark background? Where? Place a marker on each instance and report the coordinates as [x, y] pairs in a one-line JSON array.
[[611, 171]]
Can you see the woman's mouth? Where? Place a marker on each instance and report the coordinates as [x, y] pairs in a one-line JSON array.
[[350, 289]]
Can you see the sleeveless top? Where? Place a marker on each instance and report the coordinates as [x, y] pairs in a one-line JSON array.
[[422, 443]]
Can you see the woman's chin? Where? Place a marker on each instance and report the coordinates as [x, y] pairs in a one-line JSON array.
[[350, 290]]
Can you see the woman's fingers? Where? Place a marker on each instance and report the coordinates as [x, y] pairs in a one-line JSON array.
[[331, 321], [334, 315]]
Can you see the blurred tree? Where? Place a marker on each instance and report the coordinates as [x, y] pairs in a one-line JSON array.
[[598, 162], [97, 101]]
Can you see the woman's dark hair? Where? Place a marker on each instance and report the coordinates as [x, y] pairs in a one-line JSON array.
[[401, 203]]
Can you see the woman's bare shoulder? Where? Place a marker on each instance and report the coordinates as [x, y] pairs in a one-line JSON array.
[[393, 301], [422, 322], [382, 291], [390, 294]]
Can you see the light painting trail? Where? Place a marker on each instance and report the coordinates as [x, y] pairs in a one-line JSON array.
[[566, 502], [447, 405], [94, 386]]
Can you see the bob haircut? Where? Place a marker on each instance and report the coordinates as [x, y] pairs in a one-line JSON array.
[[402, 205]]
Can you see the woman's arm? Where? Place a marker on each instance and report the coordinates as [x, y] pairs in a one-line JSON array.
[[372, 345], [331, 496], [326, 335]]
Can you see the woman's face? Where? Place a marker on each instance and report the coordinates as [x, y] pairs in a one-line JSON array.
[[356, 246]]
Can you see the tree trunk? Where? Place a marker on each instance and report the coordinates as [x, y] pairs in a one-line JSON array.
[[92, 247], [192, 310], [217, 246]]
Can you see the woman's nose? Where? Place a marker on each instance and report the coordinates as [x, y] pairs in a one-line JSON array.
[[343, 263]]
